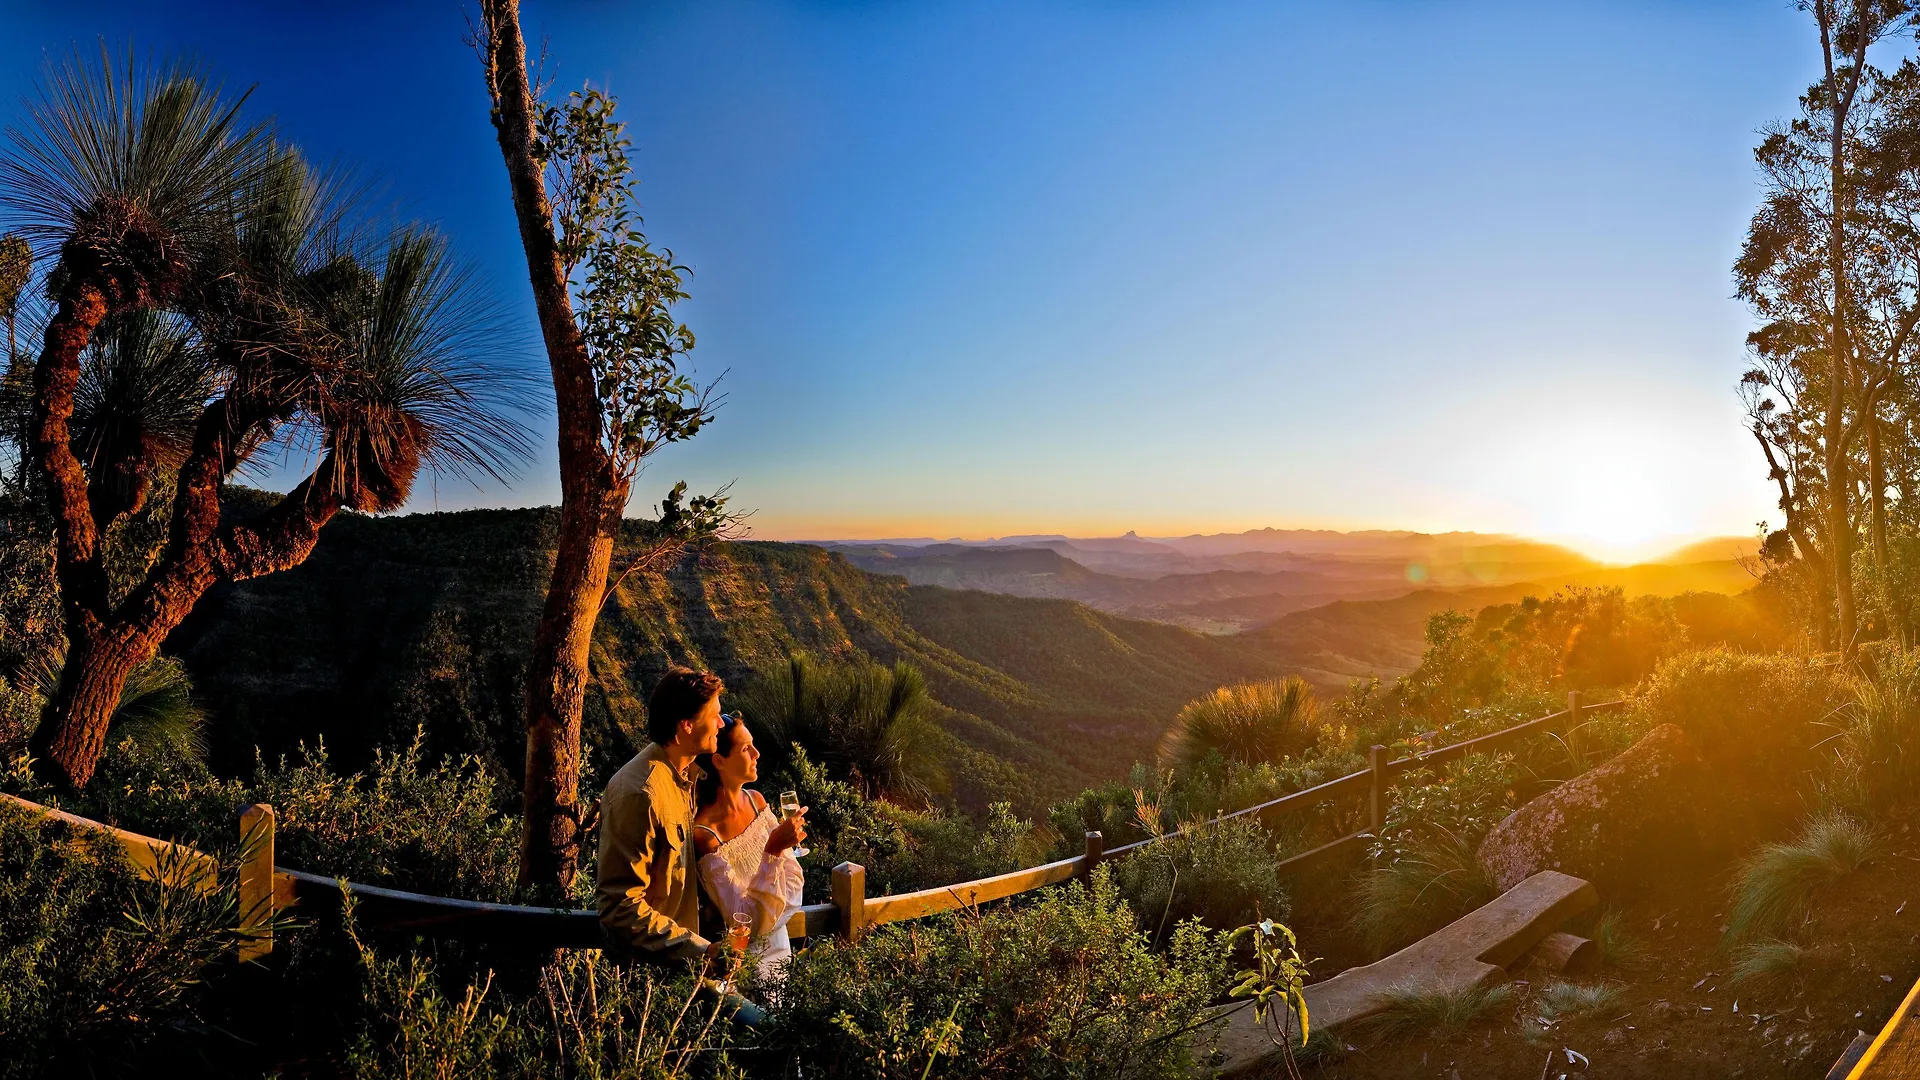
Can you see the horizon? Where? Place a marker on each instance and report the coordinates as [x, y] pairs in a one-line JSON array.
[[1010, 268]]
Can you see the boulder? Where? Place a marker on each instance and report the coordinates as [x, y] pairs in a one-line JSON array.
[[1617, 825]]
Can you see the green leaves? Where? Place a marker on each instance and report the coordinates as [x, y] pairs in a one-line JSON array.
[[1277, 979]]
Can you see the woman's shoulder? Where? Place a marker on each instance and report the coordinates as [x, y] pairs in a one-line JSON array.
[[759, 800]]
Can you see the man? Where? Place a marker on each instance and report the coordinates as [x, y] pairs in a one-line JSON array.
[[649, 894]]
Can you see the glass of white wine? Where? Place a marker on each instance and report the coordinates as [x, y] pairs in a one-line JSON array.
[[789, 806]]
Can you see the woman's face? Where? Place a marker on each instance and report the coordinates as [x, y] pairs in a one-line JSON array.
[[742, 765]]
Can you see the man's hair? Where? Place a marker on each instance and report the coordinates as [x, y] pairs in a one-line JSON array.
[[680, 695]]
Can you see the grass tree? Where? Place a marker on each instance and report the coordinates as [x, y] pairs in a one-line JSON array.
[[209, 303], [867, 723], [604, 298]]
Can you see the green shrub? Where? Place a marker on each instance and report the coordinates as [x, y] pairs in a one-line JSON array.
[[1774, 892], [587, 1020], [1559, 1001], [1425, 871], [1880, 733], [1755, 716], [903, 849], [96, 958], [1062, 987], [1251, 723], [1767, 959], [1220, 873], [434, 829]]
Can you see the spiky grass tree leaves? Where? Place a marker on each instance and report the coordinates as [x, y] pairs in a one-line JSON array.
[[212, 298]]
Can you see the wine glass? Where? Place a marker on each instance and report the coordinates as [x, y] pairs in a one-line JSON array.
[[741, 932], [789, 806]]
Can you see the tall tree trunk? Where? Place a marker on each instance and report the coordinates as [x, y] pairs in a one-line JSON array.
[[1839, 522], [593, 492], [1894, 609]]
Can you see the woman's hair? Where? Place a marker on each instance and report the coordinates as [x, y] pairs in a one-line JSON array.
[[706, 786]]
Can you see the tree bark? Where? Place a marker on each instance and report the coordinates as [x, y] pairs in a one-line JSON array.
[[1839, 523], [1895, 608], [97, 666], [593, 492]]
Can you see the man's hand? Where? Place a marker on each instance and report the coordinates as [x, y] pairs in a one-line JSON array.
[[788, 833]]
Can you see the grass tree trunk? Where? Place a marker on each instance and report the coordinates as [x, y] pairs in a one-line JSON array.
[[593, 492], [75, 734]]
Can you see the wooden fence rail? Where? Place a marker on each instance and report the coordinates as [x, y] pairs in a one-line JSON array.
[[266, 890]]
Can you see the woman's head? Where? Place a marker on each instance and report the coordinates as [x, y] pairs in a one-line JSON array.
[[734, 763]]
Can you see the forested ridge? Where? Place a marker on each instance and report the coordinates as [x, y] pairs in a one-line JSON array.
[[424, 620]]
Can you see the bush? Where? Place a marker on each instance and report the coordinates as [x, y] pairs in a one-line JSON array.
[[1219, 873], [1062, 987], [1408, 1011], [1754, 716], [1425, 869], [1880, 728], [434, 829], [903, 849], [96, 958], [1250, 724], [587, 1020]]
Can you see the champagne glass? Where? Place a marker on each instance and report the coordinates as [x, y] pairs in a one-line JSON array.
[[789, 806], [740, 932]]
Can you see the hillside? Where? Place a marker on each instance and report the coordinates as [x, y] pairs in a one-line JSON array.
[[426, 619]]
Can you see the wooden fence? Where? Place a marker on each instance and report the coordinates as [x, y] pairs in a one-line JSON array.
[[265, 890]]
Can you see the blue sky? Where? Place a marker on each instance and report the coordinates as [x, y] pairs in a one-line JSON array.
[[987, 268]]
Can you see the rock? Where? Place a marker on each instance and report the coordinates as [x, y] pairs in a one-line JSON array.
[[1617, 825]]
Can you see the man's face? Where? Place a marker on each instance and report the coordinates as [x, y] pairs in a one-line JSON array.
[[703, 731]]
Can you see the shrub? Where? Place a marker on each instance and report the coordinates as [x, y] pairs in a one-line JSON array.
[[868, 724], [1251, 723], [587, 1020], [434, 829], [1880, 729], [902, 848], [1425, 871], [1755, 716], [1221, 873], [1559, 1001], [1775, 890], [1060, 987], [96, 957]]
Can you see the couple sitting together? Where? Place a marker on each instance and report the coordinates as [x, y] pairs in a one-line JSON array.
[[680, 810]]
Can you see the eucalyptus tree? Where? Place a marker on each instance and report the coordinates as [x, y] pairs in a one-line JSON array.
[[211, 305], [1834, 285], [605, 298]]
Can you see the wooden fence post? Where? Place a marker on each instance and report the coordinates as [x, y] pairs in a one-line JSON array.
[[256, 880], [850, 896], [1096, 851], [1377, 796], [1573, 727]]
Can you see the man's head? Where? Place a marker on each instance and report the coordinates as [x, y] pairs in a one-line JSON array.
[[685, 710]]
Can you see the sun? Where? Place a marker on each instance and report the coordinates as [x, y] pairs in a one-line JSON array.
[[1615, 503]]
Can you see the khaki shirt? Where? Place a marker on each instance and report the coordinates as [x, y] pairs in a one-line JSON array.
[[649, 898]]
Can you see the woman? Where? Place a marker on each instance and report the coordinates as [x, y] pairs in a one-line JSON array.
[[746, 861]]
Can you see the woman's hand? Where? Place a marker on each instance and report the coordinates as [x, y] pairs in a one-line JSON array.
[[789, 832]]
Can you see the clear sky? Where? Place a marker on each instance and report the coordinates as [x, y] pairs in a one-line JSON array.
[[987, 268]]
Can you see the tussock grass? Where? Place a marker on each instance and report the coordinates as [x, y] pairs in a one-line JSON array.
[[1411, 1010], [1617, 948], [1251, 723], [1421, 891], [1770, 958], [1571, 1001], [1776, 886]]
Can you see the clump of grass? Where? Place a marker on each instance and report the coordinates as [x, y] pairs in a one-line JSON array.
[[1770, 958], [1776, 886], [1427, 887], [1409, 1010], [1250, 723], [1615, 946], [1560, 1001]]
